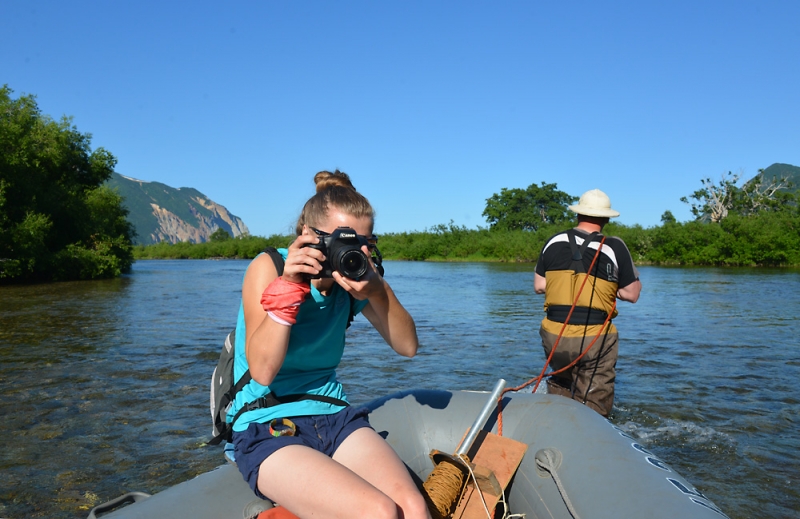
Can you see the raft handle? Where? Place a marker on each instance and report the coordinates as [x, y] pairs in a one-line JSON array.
[[130, 497]]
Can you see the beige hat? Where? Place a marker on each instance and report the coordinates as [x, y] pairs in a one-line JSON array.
[[594, 203]]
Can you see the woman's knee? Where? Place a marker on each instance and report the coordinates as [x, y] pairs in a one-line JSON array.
[[378, 508], [413, 506], [409, 505]]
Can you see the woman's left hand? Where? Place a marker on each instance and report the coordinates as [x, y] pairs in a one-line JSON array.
[[383, 310], [370, 284]]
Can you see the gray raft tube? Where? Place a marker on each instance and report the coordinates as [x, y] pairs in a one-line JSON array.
[[578, 464]]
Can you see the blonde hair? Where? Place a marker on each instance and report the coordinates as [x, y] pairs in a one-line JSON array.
[[333, 190]]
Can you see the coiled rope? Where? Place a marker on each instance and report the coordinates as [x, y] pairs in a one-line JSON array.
[[501, 500], [443, 487]]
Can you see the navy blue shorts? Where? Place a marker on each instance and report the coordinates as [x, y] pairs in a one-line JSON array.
[[323, 433]]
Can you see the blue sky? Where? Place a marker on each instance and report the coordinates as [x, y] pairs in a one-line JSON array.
[[431, 107]]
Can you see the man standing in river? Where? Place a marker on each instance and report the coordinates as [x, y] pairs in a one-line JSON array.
[[582, 274]]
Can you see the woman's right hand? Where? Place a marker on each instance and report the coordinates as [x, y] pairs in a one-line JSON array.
[[302, 262]]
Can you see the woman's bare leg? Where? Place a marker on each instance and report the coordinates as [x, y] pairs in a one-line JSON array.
[[310, 484], [368, 455]]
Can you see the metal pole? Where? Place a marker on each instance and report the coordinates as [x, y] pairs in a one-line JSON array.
[[480, 421]]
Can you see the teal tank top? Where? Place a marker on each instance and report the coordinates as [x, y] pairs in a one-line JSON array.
[[316, 345]]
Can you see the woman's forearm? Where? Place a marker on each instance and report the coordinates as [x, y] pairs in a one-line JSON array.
[[393, 322], [266, 350]]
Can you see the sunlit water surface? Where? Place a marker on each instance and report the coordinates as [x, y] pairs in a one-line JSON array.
[[105, 384]]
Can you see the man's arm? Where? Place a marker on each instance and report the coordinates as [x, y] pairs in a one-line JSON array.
[[630, 292], [628, 273], [539, 283]]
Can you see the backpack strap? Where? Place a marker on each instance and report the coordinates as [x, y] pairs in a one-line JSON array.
[[221, 424], [277, 259], [246, 378], [577, 252], [352, 314], [271, 400]]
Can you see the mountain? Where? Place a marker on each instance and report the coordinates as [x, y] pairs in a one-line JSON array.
[[778, 171], [159, 212]]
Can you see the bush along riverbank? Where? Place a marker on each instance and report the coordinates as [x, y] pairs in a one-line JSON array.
[[244, 247], [58, 219], [767, 239]]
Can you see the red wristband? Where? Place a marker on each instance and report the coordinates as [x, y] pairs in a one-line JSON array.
[[282, 299]]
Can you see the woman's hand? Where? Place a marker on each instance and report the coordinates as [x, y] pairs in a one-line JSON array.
[[383, 310], [303, 262], [369, 286]]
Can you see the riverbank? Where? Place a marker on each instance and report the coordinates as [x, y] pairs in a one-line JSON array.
[[764, 240]]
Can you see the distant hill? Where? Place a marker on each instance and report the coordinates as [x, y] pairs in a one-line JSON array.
[[161, 213], [778, 171]]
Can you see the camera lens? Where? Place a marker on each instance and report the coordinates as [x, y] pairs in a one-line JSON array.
[[352, 264]]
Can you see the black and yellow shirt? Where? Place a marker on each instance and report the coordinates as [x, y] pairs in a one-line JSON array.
[[565, 274]]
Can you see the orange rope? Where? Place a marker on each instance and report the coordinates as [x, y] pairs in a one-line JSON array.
[[542, 375]]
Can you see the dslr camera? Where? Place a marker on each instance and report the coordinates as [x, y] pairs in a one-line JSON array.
[[342, 250]]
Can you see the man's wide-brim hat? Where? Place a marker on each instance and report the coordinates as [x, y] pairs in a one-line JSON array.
[[594, 203]]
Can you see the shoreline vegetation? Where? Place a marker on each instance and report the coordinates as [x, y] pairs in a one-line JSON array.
[[60, 221], [769, 239]]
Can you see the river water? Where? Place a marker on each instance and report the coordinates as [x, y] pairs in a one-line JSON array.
[[105, 384]]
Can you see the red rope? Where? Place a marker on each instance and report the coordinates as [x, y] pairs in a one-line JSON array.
[[542, 375]]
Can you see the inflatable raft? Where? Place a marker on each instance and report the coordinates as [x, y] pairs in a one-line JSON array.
[[577, 464]]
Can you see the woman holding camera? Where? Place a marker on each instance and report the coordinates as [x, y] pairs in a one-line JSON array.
[[311, 452]]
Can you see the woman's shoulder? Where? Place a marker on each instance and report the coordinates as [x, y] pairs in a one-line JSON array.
[[262, 265]]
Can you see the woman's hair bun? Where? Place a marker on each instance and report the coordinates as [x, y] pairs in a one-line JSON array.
[[333, 190], [326, 179]]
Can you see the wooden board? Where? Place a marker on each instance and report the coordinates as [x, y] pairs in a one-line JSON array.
[[492, 455]]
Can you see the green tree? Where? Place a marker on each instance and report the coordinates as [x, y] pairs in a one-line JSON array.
[[528, 209], [56, 221], [219, 235]]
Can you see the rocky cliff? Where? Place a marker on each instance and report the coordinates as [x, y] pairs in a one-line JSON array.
[[162, 213]]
